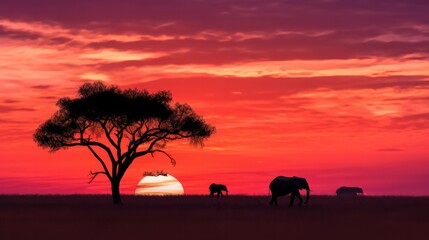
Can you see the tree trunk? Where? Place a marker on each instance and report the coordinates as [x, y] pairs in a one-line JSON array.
[[116, 195]]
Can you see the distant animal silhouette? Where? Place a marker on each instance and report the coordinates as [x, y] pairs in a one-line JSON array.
[[217, 188], [349, 191], [281, 186]]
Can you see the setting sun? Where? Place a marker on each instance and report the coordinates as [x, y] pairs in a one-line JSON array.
[[160, 185]]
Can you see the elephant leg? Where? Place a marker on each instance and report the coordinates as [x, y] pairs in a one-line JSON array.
[[298, 195], [292, 198], [273, 201], [221, 193]]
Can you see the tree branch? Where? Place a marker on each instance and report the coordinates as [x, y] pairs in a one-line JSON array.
[[84, 142], [107, 149], [101, 162], [133, 136], [129, 156], [107, 132], [119, 136], [94, 174], [135, 143], [173, 161], [149, 148]]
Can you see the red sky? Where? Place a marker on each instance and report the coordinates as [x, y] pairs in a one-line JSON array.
[[334, 91]]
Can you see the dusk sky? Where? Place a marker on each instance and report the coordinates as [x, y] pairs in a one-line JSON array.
[[334, 91]]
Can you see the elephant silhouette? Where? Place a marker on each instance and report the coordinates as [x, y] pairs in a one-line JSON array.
[[349, 191], [281, 186], [217, 188]]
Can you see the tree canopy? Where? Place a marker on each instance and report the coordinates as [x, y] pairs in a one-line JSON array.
[[118, 126]]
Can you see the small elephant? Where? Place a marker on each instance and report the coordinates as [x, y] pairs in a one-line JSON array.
[[217, 188], [349, 191], [281, 186]]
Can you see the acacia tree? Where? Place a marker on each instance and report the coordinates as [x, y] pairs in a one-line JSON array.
[[119, 126]]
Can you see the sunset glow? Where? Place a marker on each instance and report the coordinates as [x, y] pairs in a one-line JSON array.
[[334, 91], [159, 186]]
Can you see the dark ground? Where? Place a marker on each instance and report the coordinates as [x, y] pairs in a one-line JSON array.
[[202, 217]]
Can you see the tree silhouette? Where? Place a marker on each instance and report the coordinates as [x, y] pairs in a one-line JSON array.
[[119, 126]]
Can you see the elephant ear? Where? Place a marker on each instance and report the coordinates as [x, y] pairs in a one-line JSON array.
[[296, 184]]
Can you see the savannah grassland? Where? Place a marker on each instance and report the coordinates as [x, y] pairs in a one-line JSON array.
[[202, 217]]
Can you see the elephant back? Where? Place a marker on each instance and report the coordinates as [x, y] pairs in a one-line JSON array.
[[279, 183], [349, 190]]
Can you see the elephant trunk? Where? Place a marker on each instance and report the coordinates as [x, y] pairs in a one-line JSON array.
[[226, 193], [308, 196]]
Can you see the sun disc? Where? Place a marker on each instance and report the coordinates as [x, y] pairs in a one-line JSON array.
[[161, 185]]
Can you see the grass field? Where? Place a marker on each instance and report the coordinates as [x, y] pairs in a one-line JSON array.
[[202, 217]]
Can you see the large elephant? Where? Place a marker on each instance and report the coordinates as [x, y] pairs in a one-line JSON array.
[[349, 191], [281, 186], [217, 188]]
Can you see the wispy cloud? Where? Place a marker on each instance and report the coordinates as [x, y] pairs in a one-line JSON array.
[[390, 150], [5, 109], [41, 87]]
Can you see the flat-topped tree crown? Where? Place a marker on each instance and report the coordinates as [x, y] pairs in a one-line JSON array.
[[132, 122]]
